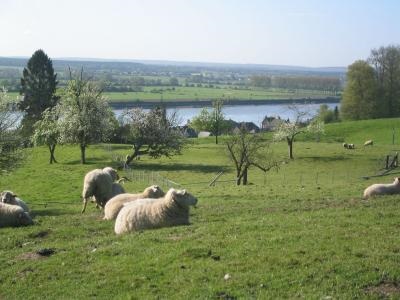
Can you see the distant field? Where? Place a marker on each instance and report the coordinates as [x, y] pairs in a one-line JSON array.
[[203, 93]]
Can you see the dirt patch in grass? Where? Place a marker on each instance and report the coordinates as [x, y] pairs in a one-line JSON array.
[[41, 253], [384, 289]]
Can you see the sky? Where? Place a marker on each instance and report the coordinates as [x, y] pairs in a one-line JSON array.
[[312, 33]]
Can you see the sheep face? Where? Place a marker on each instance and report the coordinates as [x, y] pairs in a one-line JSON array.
[[154, 191], [184, 198], [25, 219], [112, 172], [7, 197]]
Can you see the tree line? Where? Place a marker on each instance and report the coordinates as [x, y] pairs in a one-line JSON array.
[[323, 83], [373, 86]]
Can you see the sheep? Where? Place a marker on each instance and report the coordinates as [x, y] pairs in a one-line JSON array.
[[171, 210], [350, 146], [11, 198], [382, 189], [114, 205], [13, 215], [99, 184], [345, 145], [369, 143]]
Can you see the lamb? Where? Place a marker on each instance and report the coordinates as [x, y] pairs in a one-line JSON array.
[[382, 189], [369, 143], [171, 210], [99, 184], [114, 205], [11, 198], [13, 215]]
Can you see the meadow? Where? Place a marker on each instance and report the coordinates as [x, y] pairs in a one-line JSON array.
[[158, 93], [301, 232]]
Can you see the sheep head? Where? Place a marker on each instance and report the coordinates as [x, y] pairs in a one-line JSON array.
[[7, 197], [153, 191], [184, 198], [112, 172]]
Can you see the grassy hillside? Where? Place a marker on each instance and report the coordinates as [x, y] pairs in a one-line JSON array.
[[301, 232]]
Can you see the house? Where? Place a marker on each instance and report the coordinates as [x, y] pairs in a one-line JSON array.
[[249, 126], [270, 123], [203, 134]]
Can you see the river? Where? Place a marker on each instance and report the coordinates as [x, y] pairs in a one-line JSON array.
[[247, 113]]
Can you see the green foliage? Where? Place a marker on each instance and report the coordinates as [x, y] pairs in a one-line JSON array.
[[38, 87], [360, 94], [302, 232], [327, 115]]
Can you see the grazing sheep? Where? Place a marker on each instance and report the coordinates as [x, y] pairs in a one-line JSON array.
[[382, 189], [345, 145], [172, 209], [13, 215], [114, 205], [369, 143], [99, 184], [11, 198], [350, 146]]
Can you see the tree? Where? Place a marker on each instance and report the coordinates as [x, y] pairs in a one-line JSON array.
[[246, 150], [289, 130], [47, 132], [38, 87], [326, 115], [10, 142], [152, 133], [386, 62], [360, 94], [85, 116], [212, 121]]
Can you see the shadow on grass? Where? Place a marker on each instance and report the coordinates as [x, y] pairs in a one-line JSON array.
[[326, 158], [48, 212], [91, 161], [180, 167]]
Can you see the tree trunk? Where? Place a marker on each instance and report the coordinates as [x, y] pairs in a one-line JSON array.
[[52, 148], [245, 176], [238, 177], [290, 144], [216, 138], [83, 158], [129, 158]]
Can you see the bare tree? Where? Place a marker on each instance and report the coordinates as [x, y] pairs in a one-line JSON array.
[[246, 150], [289, 130], [10, 141]]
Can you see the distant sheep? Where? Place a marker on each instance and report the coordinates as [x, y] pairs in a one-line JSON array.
[[345, 145], [114, 205], [369, 143], [348, 146], [171, 210], [13, 215], [98, 183], [11, 198], [382, 189]]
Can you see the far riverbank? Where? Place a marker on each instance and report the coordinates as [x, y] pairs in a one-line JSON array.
[[230, 102]]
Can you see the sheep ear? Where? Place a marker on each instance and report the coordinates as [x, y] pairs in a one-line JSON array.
[[182, 192]]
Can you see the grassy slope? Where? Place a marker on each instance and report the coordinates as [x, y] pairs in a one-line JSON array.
[[301, 232]]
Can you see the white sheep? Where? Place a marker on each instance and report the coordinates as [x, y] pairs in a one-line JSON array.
[[369, 143], [382, 189], [350, 146], [13, 215], [114, 205], [98, 183], [345, 145], [11, 198], [171, 210]]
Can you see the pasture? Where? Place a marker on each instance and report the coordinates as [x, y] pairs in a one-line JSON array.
[[301, 232]]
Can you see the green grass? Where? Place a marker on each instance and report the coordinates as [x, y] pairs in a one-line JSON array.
[[302, 232], [196, 93]]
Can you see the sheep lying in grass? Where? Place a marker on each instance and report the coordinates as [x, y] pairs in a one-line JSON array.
[[171, 210], [13, 215], [11, 198], [114, 205], [98, 183], [369, 143], [382, 189]]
